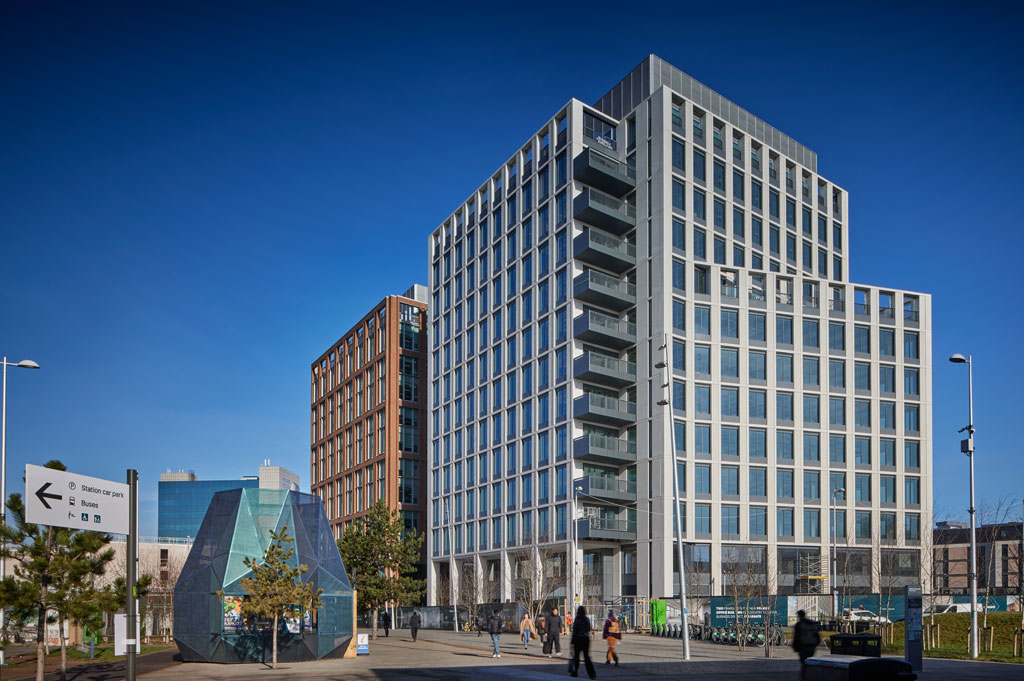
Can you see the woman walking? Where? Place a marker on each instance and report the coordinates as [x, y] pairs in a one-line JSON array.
[[525, 629], [581, 643], [612, 634]]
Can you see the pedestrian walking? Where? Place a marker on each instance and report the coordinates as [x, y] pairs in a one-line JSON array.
[[805, 639], [494, 626], [525, 629], [613, 634], [414, 624], [481, 623], [386, 621], [554, 628], [581, 643]]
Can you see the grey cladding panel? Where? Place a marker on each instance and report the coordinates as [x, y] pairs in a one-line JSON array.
[[653, 72]]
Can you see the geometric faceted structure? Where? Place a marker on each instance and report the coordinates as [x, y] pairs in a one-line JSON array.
[[237, 525]]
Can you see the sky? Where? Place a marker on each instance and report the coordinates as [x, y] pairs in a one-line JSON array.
[[196, 199]]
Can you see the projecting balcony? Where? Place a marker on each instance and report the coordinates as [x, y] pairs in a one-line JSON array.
[[604, 409], [597, 248], [605, 212], [606, 529], [604, 449], [607, 174], [604, 290], [613, 489], [604, 370], [604, 329]]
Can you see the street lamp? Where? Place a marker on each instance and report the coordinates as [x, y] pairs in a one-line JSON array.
[[667, 402], [23, 364], [832, 566], [967, 447]]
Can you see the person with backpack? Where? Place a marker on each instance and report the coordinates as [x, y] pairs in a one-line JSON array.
[[613, 634], [414, 624], [805, 639], [581, 644], [494, 627]]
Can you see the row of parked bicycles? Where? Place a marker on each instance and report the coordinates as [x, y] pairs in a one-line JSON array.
[[732, 634]]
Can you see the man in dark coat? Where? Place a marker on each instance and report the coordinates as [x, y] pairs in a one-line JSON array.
[[494, 627], [553, 625], [414, 624], [386, 621], [805, 639]]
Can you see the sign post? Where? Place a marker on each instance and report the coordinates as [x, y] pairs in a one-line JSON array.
[[912, 642], [79, 502], [132, 643]]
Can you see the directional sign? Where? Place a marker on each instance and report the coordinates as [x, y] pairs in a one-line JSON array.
[[80, 502]]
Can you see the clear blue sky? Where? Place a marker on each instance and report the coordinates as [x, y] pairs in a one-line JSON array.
[[197, 198]]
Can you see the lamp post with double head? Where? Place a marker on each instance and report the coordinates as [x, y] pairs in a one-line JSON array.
[[666, 365], [23, 364], [967, 447]]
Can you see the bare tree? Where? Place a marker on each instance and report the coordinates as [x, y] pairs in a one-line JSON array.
[[992, 515], [470, 592], [535, 577], [745, 580]]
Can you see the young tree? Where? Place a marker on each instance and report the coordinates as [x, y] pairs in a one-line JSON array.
[[53, 567], [535, 578], [380, 557], [275, 588]]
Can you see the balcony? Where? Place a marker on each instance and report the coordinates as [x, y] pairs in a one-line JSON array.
[[604, 290], [606, 529], [604, 329], [602, 409], [607, 174], [604, 449], [605, 212], [604, 370], [597, 248], [613, 489]]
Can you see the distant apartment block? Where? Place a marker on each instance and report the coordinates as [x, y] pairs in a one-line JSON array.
[[1000, 558], [793, 400], [368, 414], [182, 498]]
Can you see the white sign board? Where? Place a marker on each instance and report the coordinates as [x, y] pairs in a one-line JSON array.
[[120, 629], [80, 502]]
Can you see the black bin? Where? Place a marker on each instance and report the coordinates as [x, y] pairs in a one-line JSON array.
[[863, 645], [848, 668]]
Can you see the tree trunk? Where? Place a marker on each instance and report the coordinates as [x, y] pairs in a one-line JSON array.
[[41, 643], [373, 623], [274, 647], [63, 649]]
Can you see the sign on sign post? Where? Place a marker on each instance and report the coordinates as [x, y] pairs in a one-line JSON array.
[[80, 502]]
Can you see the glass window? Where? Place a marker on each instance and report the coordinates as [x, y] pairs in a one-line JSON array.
[[730, 480], [862, 451], [910, 345], [784, 445], [730, 362], [730, 402], [730, 520], [812, 488], [758, 521], [784, 406], [811, 377], [837, 448], [887, 452], [862, 525], [730, 441], [702, 359], [912, 454], [758, 482], [784, 483], [887, 342], [702, 519], [784, 330], [758, 407], [862, 485], [836, 373], [912, 490], [702, 398], [812, 523], [784, 368], [702, 479], [836, 336], [784, 522], [810, 333], [837, 411], [758, 438], [812, 409], [757, 365], [730, 323], [911, 382], [811, 447]]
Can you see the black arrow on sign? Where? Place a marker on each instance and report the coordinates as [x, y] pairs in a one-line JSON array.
[[44, 495]]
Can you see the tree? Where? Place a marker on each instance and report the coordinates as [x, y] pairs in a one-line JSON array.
[[53, 570], [380, 556], [536, 576], [275, 589], [745, 579]]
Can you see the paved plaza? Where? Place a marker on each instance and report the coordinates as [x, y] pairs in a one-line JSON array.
[[444, 655]]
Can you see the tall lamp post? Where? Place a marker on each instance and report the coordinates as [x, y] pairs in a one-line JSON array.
[[967, 447], [23, 364], [667, 402], [832, 551]]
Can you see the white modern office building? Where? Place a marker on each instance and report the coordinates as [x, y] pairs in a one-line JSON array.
[[666, 225]]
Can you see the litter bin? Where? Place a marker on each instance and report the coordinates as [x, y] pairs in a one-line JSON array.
[[862, 645]]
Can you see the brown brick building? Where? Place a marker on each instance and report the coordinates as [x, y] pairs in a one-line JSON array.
[[368, 418]]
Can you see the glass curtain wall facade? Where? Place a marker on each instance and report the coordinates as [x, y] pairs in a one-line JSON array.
[[666, 224]]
